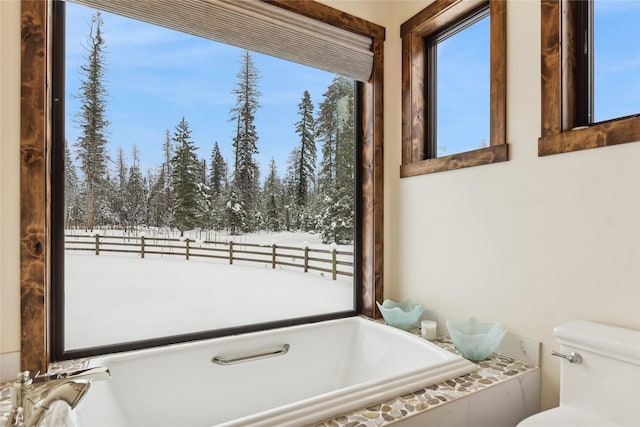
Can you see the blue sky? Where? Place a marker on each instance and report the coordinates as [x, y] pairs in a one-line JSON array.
[[156, 76], [617, 58], [463, 90]]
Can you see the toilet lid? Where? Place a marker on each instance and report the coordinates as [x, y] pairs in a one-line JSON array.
[[565, 416]]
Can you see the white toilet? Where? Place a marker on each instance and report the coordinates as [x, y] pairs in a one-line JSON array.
[[599, 378]]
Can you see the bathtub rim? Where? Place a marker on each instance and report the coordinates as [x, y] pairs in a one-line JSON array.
[[359, 318]]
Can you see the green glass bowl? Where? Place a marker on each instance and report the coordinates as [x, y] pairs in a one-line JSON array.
[[402, 315], [473, 339]]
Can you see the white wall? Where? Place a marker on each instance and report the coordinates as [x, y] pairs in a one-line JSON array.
[[532, 242], [9, 188]]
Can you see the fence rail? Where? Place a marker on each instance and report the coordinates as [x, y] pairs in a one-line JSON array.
[[323, 260]]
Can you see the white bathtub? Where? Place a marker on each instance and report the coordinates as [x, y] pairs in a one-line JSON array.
[[330, 368]]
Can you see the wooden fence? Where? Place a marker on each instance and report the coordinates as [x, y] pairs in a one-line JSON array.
[[323, 260]]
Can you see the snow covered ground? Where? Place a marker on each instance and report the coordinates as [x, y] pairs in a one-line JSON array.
[[115, 297]]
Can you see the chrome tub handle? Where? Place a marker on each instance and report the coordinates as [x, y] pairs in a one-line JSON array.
[[572, 358], [219, 360]]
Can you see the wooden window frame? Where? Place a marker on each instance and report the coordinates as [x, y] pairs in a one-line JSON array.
[[431, 20], [35, 167], [566, 96]]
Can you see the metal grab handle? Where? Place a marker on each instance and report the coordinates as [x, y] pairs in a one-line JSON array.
[[219, 360], [572, 358]]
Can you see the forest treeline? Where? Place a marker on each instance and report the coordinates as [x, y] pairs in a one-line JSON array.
[[315, 193]]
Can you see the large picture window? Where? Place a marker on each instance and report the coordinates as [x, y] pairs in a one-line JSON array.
[[122, 216], [207, 187]]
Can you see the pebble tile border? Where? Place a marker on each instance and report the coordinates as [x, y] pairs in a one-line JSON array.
[[493, 370]]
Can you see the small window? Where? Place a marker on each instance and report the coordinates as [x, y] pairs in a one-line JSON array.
[[454, 87], [458, 100], [590, 76]]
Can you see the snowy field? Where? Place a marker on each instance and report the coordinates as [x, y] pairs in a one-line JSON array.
[[120, 297]]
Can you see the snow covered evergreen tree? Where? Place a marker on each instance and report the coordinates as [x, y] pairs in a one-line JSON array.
[[91, 118], [246, 174], [218, 174], [185, 166], [119, 198], [336, 175], [218, 188], [155, 183], [135, 204], [235, 213], [167, 173], [290, 184], [306, 167], [73, 203], [336, 223], [273, 199], [335, 131], [160, 199]]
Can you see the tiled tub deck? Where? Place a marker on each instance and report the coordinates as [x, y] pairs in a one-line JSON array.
[[493, 371]]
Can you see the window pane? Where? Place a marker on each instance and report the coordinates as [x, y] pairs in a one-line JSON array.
[[463, 90], [224, 195], [616, 59]]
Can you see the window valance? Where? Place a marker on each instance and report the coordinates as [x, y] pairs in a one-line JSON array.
[[258, 26]]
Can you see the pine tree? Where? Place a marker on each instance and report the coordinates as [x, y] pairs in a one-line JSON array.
[[185, 173], [336, 220], [218, 187], [155, 182], [159, 199], [119, 199], [306, 167], [235, 213], [218, 174], [104, 213], [335, 130], [203, 197], [336, 175], [73, 204], [292, 217], [135, 205], [167, 173], [91, 119], [273, 203], [246, 174]]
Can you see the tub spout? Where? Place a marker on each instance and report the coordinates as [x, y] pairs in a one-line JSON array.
[[95, 373], [33, 397], [69, 392]]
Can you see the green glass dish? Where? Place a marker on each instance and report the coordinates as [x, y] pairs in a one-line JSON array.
[[473, 339], [402, 315]]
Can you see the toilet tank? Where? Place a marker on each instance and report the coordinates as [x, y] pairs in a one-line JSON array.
[[607, 381]]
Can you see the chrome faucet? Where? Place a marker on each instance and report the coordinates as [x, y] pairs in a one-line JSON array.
[[33, 397]]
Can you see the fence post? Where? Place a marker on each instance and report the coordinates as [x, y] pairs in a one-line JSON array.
[[273, 255], [334, 272], [97, 244], [141, 246], [187, 249], [231, 252], [306, 259]]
